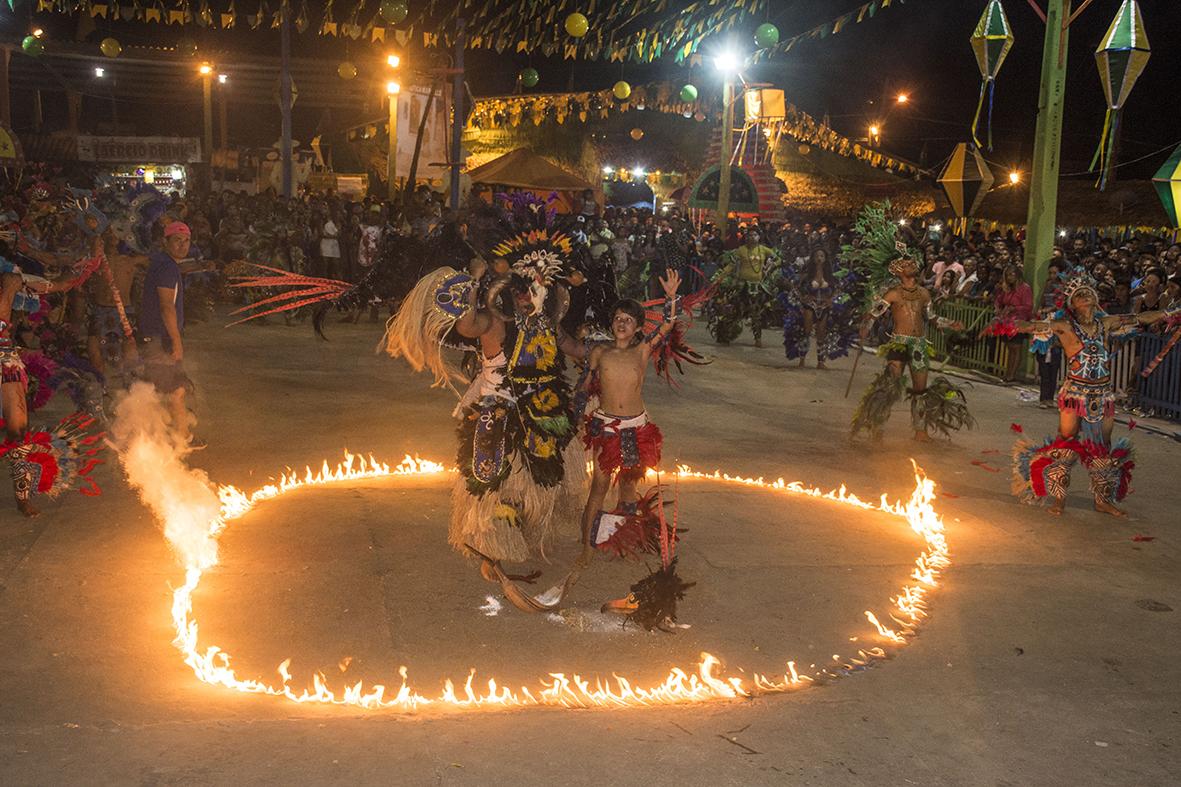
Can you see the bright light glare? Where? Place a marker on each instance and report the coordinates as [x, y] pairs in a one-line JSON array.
[[638, 172], [205, 69], [937, 226], [393, 88], [223, 78], [901, 222], [727, 62], [1014, 177], [608, 170], [100, 72], [874, 131], [902, 98], [1061, 233], [38, 32], [393, 60]]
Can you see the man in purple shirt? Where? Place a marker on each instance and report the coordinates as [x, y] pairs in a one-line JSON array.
[[162, 321]]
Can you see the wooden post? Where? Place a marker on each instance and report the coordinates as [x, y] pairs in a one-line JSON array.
[[727, 151], [74, 110], [285, 95]]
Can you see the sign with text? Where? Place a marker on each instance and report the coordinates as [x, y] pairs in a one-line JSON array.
[[140, 150]]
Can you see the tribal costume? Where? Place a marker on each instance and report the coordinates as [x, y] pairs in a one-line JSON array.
[[1041, 471], [937, 407], [745, 293], [627, 446], [521, 472], [831, 303]]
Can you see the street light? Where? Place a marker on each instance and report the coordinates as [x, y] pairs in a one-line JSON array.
[[100, 72], [223, 78], [874, 131], [1014, 177], [206, 72], [638, 173], [392, 89], [902, 98], [730, 64]]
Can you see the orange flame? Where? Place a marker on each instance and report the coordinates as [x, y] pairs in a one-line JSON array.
[[708, 681]]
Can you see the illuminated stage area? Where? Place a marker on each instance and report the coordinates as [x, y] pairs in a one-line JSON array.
[[1043, 639]]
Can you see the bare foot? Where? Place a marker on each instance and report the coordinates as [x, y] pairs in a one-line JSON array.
[[1103, 507], [922, 437], [26, 508], [1057, 506]]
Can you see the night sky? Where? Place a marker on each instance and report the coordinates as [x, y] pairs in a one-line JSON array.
[[920, 47]]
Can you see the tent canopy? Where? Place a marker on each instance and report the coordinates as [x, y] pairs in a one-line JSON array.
[[526, 170]]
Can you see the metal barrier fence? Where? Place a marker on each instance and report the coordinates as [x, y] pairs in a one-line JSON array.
[[989, 355], [1161, 391]]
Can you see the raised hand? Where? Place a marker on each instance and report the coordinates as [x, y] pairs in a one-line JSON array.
[[671, 282]]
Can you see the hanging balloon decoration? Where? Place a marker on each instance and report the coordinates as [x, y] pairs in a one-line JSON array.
[[577, 25], [1121, 57], [966, 179], [529, 77], [1167, 181], [637, 134], [991, 41], [766, 35], [110, 47], [621, 90], [32, 46], [688, 94], [346, 71], [393, 11]]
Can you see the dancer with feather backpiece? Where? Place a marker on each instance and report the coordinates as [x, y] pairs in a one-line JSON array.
[[892, 287]]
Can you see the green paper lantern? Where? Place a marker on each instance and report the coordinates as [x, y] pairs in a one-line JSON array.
[[766, 35], [688, 93], [110, 47], [577, 25], [621, 90], [393, 11], [529, 77], [1167, 181], [32, 46], [346, 70], [187, 47]]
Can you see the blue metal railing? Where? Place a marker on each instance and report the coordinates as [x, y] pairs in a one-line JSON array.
[[1161, 391]]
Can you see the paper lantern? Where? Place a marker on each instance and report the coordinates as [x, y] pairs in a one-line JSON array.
[[766, 35], [688, 93], [32, 46], [991, 41], [637, 134], [1167, 181], [187, 47], [346, 70], [1121, 57], [621, 90], [110, 47], [804, 150], [965, 180], [393, 11], [529, 77], [577, 25]]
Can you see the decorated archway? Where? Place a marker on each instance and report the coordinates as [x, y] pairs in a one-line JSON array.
[[744, 197]]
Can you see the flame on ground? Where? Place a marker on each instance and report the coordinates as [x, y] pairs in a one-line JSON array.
[[179, 495]]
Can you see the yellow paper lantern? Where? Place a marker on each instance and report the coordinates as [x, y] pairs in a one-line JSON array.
[[346, 70], [577, 25], [621, 90], [637, 134], [110, 47]]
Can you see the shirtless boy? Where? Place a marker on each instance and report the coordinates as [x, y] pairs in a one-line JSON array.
[[107, 298], [619, 434]]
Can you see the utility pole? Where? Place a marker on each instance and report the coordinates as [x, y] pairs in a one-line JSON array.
[[458, 117], [1042, 220], [727, 151], [285, 95], [207, 104]]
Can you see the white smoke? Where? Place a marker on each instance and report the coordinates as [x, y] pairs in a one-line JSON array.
[[183, 500]]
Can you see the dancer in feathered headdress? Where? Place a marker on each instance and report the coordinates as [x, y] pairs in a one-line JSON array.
[[521, 472], [1086, 404], [819, 300], [891, 276]]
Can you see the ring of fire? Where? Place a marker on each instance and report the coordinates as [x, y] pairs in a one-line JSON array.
[[708, 681]]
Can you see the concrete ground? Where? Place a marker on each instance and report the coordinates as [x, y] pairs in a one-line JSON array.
[[1049, 656]]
